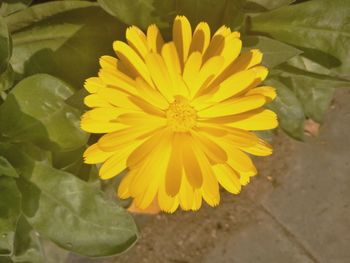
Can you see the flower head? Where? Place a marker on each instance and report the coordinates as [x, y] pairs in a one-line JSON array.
[[178, 116]]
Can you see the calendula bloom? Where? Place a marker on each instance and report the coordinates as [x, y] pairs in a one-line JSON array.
[[179, 115]]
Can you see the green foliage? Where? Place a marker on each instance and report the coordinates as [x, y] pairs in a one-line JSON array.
[[48, 49]]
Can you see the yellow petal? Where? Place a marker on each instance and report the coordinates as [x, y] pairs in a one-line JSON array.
[[139, 118], [112, 141], [167, 203], [154, 39], [175, 168], [197, 200], [118, 98], [160, 75], [105, 114], [93, 154], [96, 100], [108, 62], [206, 74], [172, 62], [182, 36], [186, 195], [227, 178], [231, 50], [100, 126], [262, 148], [117, 162], [132, 61], [217, 43], [234, 85], [213, 151], [268, 92], [190, 162], [151, 95], [257, 120], [146, 184], [246, 61], [93, 84], [233, 106], [137, 40], [124, 186], [201, 38], [116, 79]]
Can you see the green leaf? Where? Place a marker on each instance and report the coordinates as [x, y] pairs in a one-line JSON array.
[[323, 38], [27, 245], [78, 213], [11, 6], [7, 79], [62, 38], [289, 110], [35, 111], [10, 207], [275, 52], [263, 5], [68, 211], [143, 13], [5, 45], [6, 169]]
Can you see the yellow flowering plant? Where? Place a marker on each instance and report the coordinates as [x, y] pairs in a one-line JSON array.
[[165, 101]]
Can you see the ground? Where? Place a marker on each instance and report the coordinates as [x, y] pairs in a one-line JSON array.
[[296, 211]]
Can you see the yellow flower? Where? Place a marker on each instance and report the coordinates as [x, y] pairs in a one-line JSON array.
[[178, 115]]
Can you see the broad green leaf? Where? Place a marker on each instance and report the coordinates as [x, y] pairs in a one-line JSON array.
[[78, 213], [320, 28], [145, 12], [5, 45], [10, 208], [64, 39], [35, 111], [275, 52], [27, 245], [6, 169], [263, 5], [11, 6], [289, 110], [68, 211]]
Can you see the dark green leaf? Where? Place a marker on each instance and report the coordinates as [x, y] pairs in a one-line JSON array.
[[275, 52], [289, 110], [10, 207], [69, 211], [64, 39], [145, 12], [11, 6], [323, 38], [27, 245], [7, 78], [263, 5], [35, 111], [5, 45], [6, 169]]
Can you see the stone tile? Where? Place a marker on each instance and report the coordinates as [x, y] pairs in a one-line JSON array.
[[263, 240], [313, 197]]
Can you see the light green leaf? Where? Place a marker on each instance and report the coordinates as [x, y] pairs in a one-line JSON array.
[[64, 39], [10, 208], [323, 38], [35, 111], [289, 110], [6, 169], [5, 45], [11, 6], [275, 52]]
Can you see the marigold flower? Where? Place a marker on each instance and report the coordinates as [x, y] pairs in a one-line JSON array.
[[178, 115]]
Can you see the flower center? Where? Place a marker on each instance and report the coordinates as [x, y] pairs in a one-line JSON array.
[[181, 115]]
